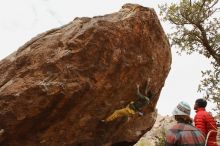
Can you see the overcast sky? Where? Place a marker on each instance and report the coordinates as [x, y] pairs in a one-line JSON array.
[[20, 20]]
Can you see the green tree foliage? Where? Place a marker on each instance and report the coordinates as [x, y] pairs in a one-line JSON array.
[[196, 26]]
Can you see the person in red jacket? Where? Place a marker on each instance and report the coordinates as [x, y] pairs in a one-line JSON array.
[[205, 122]]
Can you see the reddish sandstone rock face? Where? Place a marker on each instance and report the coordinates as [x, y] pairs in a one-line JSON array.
[[57, 88]]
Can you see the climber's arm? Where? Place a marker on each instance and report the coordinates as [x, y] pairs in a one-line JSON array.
[[141, 96]]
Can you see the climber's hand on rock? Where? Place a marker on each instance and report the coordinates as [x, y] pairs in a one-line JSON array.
[[2, 132], [138, 86]]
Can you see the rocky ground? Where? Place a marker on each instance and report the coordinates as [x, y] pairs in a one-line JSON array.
[[154, 137]]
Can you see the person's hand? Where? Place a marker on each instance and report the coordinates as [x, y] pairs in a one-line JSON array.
[[138, 86], [2, 132]]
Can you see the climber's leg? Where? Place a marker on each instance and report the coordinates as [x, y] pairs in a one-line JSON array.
[[120, 113]]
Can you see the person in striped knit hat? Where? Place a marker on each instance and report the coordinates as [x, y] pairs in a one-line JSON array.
[[183, 133]]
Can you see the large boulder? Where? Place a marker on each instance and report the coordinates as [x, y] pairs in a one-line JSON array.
[[56, 88]]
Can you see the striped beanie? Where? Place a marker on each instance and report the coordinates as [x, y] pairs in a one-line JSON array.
[[182, 108]]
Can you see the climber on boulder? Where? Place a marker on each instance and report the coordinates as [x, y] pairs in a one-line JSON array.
[[132, 108]]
